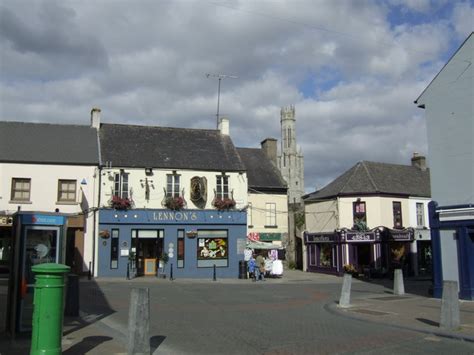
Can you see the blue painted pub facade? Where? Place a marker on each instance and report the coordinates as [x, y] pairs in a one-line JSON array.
[[193, 241], [459, 222]]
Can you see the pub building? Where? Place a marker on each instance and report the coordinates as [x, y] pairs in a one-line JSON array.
[[194, 242], [172, 202], [376, 252]]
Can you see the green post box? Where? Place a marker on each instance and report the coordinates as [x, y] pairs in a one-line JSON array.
[[48, 308]]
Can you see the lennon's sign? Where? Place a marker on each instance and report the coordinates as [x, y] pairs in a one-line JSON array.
[[174, 216]]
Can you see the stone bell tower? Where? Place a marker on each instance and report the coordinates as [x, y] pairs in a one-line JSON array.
[[290, 162]]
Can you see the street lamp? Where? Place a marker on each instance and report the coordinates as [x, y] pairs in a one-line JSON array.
[[220, 77]]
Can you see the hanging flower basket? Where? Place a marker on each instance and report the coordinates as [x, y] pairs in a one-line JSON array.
[[120, 203], [224, 203], [174, 203]]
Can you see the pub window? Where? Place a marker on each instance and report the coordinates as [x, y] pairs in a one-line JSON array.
[[180, 255], [114, 244], [212, 248], [21, 189], [222, 186], [172, 185], [325, 255], [359, 213], [121, 184], [249, 214], [420, 215], [270, 214], [397, 214], [67, 191]]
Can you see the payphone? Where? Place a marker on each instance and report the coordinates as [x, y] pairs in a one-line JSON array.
[[37, 238]]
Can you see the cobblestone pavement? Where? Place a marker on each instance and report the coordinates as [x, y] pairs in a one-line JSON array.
[[297, 314]]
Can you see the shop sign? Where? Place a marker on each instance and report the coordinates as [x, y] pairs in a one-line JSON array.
[[254, 237], [360, 237], [320, 238], [43, 219], [269, 237], [401, 235], [175, 216]]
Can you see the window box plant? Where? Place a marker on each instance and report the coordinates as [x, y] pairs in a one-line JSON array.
[[223, 203], [175, 203], [120, 203]]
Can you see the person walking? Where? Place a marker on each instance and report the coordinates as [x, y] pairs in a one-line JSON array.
[[260, 261], [251, 267]]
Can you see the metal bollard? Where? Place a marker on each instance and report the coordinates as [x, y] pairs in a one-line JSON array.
[[48, 308], [171, 272], [89, 274], [214, 274], [128, 271]]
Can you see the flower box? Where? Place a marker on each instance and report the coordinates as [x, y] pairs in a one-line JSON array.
[[174, 203], [120, 203], [224, 203]]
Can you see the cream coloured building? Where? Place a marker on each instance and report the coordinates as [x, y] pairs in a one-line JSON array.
[[371, 218]]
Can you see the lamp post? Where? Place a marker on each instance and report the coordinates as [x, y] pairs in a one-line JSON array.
[[219, 77]]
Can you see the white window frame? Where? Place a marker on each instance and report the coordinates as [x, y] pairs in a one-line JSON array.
[[270, 214], [420, 214], [222, 186], [121, 185], [172, 185]]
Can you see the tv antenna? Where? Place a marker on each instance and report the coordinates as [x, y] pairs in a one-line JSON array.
[[220, 77]]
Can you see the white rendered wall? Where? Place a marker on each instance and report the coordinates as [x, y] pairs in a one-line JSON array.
[[449, 110], [136, 178], [321, 216], [44, 192], [258, 207]]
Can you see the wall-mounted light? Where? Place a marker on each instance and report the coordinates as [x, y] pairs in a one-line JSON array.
[[148, 171]]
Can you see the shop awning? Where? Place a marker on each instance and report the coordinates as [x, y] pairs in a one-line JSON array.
[[263, 245]]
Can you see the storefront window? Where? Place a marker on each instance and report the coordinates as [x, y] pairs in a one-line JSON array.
[[212, 248], [325, 255]]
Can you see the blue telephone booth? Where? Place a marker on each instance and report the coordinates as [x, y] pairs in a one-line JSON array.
[[37, 238]]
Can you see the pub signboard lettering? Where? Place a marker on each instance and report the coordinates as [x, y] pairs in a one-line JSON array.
[[360, 237], [401, 235], [174, 216], [320, 238]]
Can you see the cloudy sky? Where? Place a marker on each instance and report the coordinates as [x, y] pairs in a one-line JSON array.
[[351, 68]]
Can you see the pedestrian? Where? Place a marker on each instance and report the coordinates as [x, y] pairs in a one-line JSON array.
[[251, 267], [260, 261]]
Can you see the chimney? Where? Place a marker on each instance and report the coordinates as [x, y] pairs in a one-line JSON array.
[[269, 147], [418, 161], [224, 126], [95, 118]]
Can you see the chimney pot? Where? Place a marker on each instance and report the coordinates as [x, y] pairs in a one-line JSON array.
[[224, 126], [95, 118], [269, 147], [418, 161]]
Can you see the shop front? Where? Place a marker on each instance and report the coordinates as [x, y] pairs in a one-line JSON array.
[[361, 250], [323, 252], [397, 248], [186, 243]]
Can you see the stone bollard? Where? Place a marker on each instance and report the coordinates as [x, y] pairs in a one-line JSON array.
[[450, 319], [345, 299], [48, 310], [139, 322], [398, 285]]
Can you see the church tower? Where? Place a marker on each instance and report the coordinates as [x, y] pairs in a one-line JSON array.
[[290, 161]]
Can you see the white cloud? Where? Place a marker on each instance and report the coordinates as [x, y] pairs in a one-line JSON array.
[[352, 74], [463, 18]]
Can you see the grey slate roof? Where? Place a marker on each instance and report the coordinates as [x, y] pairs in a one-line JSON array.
[[163, 147], [261, 172], [377, 178], [26, 142]]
